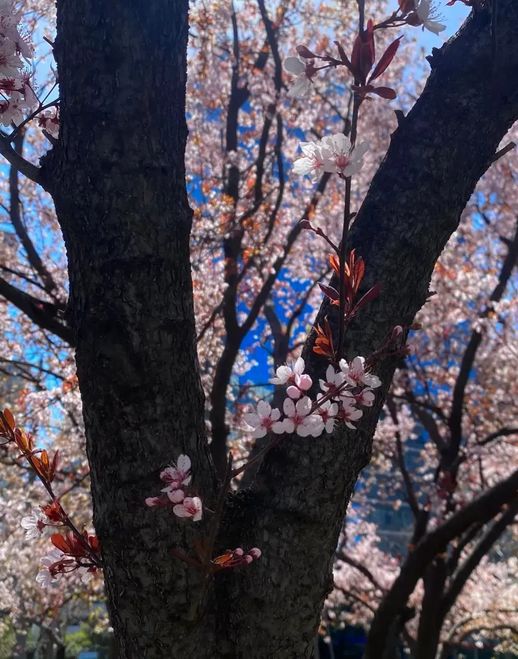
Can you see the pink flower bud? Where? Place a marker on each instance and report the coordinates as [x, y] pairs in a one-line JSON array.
[[305, 382], [293, 392], [255, 553], [248, 559], [152, 501], [238, 552]]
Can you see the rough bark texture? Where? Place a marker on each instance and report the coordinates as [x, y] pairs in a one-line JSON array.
[[117, 178]]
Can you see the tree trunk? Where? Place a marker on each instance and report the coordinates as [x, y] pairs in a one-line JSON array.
[[117, 179]]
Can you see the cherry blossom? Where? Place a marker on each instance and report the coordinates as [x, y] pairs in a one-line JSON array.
[[177, 475], [264, 420], [365, 397], [287, 372], [299, 418], [356, 375], [33, 524], [313, 161], [328, 412], [304, 73], [191, 507], [45, 576], [333, 383], [349, 413], [49, 122], [341, 157], [428, 16]]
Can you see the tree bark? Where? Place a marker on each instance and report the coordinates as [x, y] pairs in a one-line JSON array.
[[117, 179]]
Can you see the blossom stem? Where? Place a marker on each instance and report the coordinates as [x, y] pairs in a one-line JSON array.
[[345, 229]]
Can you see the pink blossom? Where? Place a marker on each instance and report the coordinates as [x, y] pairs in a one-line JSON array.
[[176, 496], [45, 576], [287, 372], [191, 507], [365, 397], [334, 380], [153, 501], [313, 160], [177, 475], [299, 418], [328, 412], [350, 413], [356, 375], [263, 420], [342, 158]]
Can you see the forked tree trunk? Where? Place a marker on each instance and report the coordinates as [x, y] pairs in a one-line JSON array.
[[117, 179]]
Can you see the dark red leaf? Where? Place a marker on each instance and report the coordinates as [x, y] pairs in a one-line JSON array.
[[384, 92], [305, 53], [385, 59], [330, 292], [344, 57], [370, 295]]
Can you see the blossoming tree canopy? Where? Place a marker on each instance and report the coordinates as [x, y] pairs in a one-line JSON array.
[[283, 225]]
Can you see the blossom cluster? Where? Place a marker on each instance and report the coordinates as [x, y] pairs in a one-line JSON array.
[[74, 551], [18, 97], [422, 13], [71, 553], [341, 392], [176, 479], [333, 154]]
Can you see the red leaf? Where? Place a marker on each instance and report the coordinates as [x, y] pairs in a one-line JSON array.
[[305, 53], [370, 295], [60, 542], [344, 57], [385, 59], [330, 292], [384, 92]]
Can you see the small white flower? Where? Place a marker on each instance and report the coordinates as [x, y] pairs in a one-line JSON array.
[[44, 576], [263, 419], [342, 158], [303, 73], [334, 380], [33, 524], [313, 160], [350, 413], [328, 412], [427, 14], [287, 372], [298, 418]]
